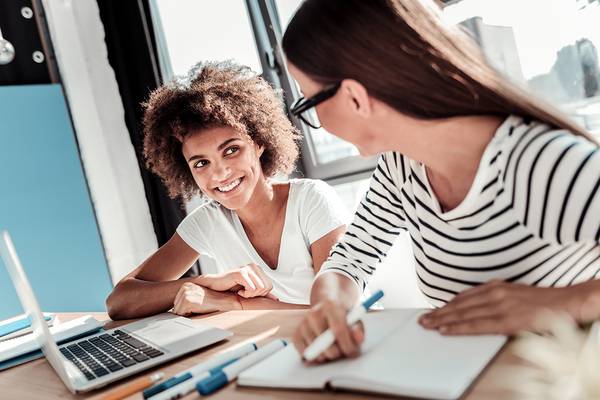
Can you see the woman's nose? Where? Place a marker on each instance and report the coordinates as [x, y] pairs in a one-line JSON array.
[[221, 172]]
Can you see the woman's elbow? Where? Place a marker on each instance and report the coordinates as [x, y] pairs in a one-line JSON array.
[[114, 307]]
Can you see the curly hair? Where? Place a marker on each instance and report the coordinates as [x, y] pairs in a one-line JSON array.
[[215, 94]]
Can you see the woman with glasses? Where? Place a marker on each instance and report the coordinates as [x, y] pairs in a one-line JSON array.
[[221, 133], [498, 191]]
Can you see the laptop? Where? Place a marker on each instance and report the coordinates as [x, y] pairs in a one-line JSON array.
[[113, 354]]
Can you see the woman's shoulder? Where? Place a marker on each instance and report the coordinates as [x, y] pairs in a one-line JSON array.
[[208, 210]]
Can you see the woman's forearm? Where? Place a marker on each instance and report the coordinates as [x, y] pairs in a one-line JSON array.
[[136, 298], [334, 286], [263, 303]]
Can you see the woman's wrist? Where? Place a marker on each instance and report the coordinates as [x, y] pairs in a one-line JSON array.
[[207, 281], [584, 301], [227, 301]]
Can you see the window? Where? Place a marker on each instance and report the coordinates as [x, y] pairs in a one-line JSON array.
[[189, 31], [550, 48], [325, 156]]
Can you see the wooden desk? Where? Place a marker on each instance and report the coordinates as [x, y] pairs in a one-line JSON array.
[[37, 379]]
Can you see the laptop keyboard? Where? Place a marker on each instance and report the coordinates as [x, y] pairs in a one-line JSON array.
[[107, 353]]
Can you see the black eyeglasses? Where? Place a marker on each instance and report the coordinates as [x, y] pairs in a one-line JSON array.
[[303, 108]]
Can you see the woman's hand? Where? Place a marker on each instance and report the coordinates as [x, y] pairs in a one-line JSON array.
[[248, 281], [329, 314], [499, 307], [194, 299]]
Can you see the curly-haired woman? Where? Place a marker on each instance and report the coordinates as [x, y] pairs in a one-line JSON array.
[[222, 133]]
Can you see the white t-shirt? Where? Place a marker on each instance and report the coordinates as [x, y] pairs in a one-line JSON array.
[[217, 234]]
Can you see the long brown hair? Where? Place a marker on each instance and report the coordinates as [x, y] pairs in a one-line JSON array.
[[406, 56]]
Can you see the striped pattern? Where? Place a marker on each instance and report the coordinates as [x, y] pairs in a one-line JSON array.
[[531, 216]]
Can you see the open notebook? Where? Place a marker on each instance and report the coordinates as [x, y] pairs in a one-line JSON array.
[[398, 358]]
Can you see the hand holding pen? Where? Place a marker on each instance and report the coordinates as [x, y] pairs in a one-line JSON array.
[[330, 331]]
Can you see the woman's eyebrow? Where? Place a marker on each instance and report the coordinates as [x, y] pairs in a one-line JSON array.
[[221, 146]]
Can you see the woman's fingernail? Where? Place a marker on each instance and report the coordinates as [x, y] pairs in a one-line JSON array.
[[443, 329]]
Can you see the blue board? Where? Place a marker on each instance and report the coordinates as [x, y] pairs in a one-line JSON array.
[[45, 204]]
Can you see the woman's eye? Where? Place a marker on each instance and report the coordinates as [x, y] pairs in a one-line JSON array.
[[200, 164], [231, 150]]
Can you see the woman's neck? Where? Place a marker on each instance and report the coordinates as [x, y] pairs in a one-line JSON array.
[[263, 207], [451, 150]]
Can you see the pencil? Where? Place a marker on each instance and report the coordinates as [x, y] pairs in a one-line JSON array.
[[133, 387]]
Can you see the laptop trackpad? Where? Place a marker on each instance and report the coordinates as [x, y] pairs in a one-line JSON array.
[[163, 333]]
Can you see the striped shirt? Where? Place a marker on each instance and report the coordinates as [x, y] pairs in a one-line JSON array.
[[532, 216]]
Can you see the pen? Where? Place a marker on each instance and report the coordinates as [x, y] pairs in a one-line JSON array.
[[326, 339], [133, 387], [229, 373], [187, 386], [214, 363]]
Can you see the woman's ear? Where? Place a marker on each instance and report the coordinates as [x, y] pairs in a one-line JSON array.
[[260, 150], [357, 97]]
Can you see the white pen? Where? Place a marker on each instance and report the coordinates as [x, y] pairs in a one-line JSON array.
[[326, 339], [216, 381], [179, 385]]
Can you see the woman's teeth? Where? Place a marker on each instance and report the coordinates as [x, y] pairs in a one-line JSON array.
[[229, 187]]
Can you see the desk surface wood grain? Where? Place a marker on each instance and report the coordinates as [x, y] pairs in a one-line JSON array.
[[37, 379]]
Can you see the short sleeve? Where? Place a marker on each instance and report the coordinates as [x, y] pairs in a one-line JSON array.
[[323, 210], [192, 230]]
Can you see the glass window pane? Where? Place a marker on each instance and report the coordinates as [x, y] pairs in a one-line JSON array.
[[326, 147], [207, 30], [549, 47], [351, 193]]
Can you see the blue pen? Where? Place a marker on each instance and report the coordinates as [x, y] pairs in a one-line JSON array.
[[213, 365], [326, 339], [216, 381]]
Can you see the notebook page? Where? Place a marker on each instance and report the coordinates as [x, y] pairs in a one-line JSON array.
[[285, 368], [416, 362]]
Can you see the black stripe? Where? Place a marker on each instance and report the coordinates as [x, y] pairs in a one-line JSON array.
[[379, 252], [572, 266], [520, 157], [349, 260], [583, 269], [388, 178], [535, 267], [414, 175], [366, 253], [471, 239], [371, 189], [376, 226], [387, 188], [531, 171], [447, 278], [490, 218], [569, 190], [484, 207], [490, 183], [549, 185], [377, 216], [482, 253], [493, 160], [382, 208], [512, 152], [407, 197], [441, 289], [585, 210], [557, 265], [490, 268], [434, 298], [370, 234]]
